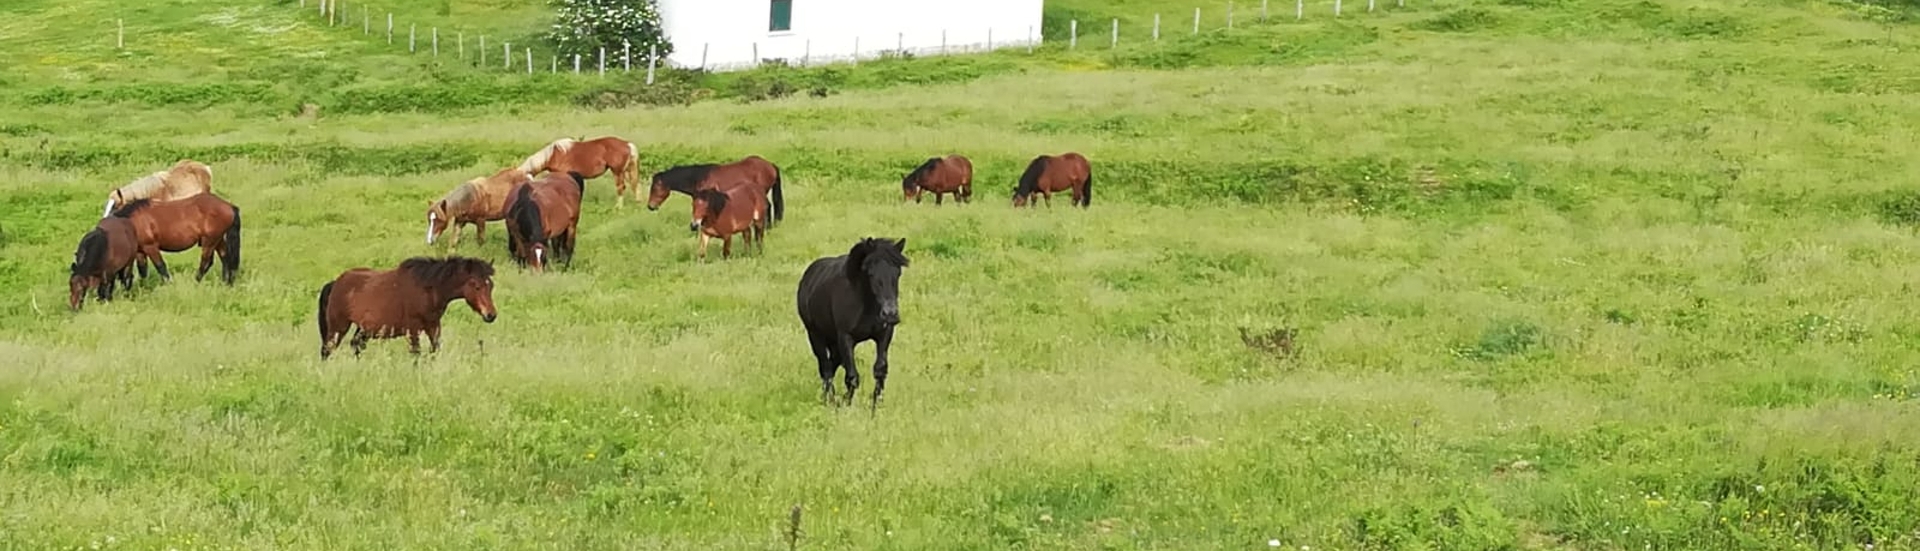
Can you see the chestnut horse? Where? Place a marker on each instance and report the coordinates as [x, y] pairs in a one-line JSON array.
[[952, 174], [759, 174], [105, 254], [475, 202], [408, 300], [546, 210], [722, 214], [1048, 174], [204, 220], [591, 158], [187, 178]]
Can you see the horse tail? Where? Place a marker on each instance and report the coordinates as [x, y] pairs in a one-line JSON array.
[[1086, 190], [325, 292], [232, 241], [779, 203], [633, 167]]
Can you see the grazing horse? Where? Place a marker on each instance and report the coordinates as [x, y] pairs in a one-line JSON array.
[[952, 174], [475, 202], [204, 220], [724, 213], [408, 300], [1048, 174], [546, 210], [591, 158], [755, 172], [848, 299], [105, 254], [187, 178]]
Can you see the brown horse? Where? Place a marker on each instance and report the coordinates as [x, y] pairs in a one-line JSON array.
[[105, 254], [187, 178], [759, 174], [1048, 174], [408, 300], [204, 220], [475, 202], [591, 158], [722, 214], [952, 174], [546, 210]]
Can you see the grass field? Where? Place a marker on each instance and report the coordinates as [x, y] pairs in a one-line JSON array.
[[1597, 274]]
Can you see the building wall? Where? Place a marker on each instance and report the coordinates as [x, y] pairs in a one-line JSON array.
[[729, 31]]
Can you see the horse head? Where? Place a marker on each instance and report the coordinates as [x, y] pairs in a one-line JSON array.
[[878, 263], [437, 219]]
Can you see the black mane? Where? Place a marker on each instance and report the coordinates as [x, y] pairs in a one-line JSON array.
[[579, 182], [130, 208], [435, 271], [684, 178], [716, 201], [524, 218], [912, 179], [870, 250], [1030, 180], [91, 254]]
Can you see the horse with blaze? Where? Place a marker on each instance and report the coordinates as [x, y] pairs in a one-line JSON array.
[[849, 299], [408, 300], [543, 212]]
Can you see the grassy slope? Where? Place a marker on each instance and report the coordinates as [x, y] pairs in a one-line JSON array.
[[1658, 259]]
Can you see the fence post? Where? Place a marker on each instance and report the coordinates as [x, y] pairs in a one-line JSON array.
[[576, 64], [856, 49], [333, 11], [943, 42], [366, 22], [410, 29], [461, 36], [806, 53], [1115, 41], [483, 50], [1369, 6], [1029, 38], [603, 61], [1263, 11], [529, 61], [989, 39], [1196, 20], [1299, 9], [553, 63], [1073, 34], [703, 54], [1156, 27], [389, 27], [756, 54], [653, 58], [1229, 14], [506, 55], [899, 43], [626, 55], [1336, 8], [436, 42], [120, 36]]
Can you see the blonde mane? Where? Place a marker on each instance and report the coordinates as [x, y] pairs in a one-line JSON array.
[[460, 198], [538, 161]]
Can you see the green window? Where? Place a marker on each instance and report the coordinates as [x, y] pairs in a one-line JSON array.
[[781, 18]]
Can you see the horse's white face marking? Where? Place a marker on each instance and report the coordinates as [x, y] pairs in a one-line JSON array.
[[430, 219], [540, 255]]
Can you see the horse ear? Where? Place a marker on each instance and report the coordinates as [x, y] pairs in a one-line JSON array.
[[900, 245]]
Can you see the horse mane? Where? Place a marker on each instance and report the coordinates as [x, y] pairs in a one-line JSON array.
[[132, 207], [439, 271], [1030, 180], [525, 214], [459, 198], [579, 182], [539, 158], [716, 201], [870, 250], [145, 185], [91, 254], [918, 173], [684, 178]]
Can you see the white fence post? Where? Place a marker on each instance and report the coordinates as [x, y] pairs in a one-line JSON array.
[[506, 55], [1029, 38], [703, 54], [1196, 21], [553, 63], [653, 58], [1229, 15], [899, 43], [1369, 6], [943, 42], [756, 55], [1263, 10], [120, 36], [410, 29], [389, 27], [1336, 8], [529, 61], [626, 56], [576, 64], [806, 53], [1115, 41], [1299, 9], [461, 37], [1156, 27], [436, 42], [603, 61], [483, 50], [1073, 34], [856, 49]]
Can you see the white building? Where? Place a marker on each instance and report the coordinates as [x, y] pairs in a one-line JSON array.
[[727, 34]]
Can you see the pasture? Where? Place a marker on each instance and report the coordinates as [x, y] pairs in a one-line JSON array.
[[1602, 274]]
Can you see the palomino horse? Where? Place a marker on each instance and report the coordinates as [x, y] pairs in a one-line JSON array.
[[721, 214], [204, 220], [475, 202], [754, 171], [408, 300], [1048, 174], [546, 210], [951, 174], [187, 178], [105, 254], [591, 158], [848, 299]]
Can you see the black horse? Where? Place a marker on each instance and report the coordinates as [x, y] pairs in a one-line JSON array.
[[849, 299]]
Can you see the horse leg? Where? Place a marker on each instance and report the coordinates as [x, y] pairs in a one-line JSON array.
[[359, 341], [726, 247], [1047, 197], [823, 351], [104, 291], [938, 197], [852, 376], [703, 247], [881, 343], [159, 264], [433, 338], [206, 259], [413, 342]]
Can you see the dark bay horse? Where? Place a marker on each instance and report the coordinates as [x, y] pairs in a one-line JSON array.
[[105, 254], [1048, 174], [591, 158], [721, 214], [940, 175], [545, 211], [849, 299], [204, 221], [754, 171], [408, 300]]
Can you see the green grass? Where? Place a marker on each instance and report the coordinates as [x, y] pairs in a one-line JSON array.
[[1556, 282]]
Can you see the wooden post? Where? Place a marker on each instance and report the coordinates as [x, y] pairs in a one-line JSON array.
[[1029, 38], [1263, 10], [576, 64], [483, 50], [436, 42], [1229, 14], [529, 61], [1336, 8], [653, 58], [856, 49], [1196, 21], [410, 29], [366, 21], [1156, 27], [806, 53], [603, 61], [389, 27], [120, 36], [1115, 41], [506, 55], [626, 56], [1073, 33], [1299, 9], [703, 54]]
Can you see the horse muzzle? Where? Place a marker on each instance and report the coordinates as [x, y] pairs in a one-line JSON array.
[[694, 226], [489, 317]]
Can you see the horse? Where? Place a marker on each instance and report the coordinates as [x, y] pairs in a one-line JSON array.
[[724, 213], [407, 300], [187, 178], [591, 158], [754, 171], [476, 201], [848, 299], [204, 220], [1048, 174], [105, 254], [546, 209], [952, 174]]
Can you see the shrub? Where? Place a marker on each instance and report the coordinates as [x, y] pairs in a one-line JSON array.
[[584, 26]]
